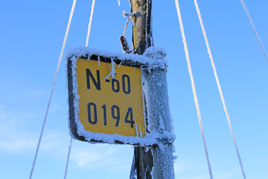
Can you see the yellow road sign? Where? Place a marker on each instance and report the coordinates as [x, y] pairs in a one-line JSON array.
[[105, 98]]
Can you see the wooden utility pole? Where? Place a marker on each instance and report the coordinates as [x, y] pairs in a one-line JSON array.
[[141, 29], [141, 40], [154, 162]]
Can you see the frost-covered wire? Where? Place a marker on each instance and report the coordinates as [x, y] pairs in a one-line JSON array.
[[193, 85], [90, 21], [219, 85], [254, 29], [87, 40], [53, 87], [68, 158], [125, 28], [129, 18]]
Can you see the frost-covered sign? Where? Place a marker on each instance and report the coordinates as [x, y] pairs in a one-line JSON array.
[[106, 100]]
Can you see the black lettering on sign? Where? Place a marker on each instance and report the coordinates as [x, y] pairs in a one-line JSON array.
[[129, 115], [104, 114], [92, 111], [90, 77], [115, 85], [89, 110], [126, 84], [116, 115]]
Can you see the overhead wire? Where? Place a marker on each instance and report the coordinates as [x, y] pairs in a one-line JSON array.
[[68, 158], [193, 87], [90, 21], [219, 86], [254, 29], [87, 40], [53, 87]]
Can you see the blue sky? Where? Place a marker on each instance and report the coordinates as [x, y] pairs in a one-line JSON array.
[[31, 35]]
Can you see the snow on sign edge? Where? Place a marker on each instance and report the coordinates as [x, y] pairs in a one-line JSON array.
[[151, 63], [150, 138]]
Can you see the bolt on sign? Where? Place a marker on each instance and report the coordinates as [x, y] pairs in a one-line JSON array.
[[105, 99]]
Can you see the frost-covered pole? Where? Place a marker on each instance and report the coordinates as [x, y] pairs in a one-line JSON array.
[[159, 118], [141, 40], [155, 162]]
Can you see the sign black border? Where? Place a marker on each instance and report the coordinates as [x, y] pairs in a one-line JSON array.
[[72, 123]]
